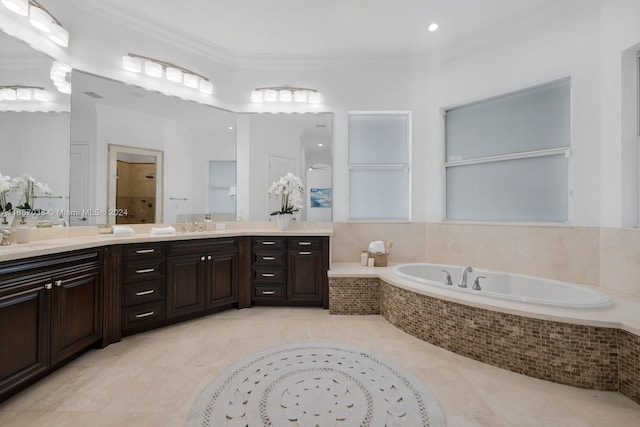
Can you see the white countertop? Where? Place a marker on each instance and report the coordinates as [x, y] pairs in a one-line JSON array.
[[72, 238], [623, 314]]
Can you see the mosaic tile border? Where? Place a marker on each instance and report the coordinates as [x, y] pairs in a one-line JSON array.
[[578, 355]]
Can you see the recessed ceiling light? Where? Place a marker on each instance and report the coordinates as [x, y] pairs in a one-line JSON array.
[[433, 27], [320, 145], [230, 128]]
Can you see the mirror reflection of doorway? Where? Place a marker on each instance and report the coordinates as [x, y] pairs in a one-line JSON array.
[[135, 185]]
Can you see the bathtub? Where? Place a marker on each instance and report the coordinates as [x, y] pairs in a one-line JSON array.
[[506, 286]]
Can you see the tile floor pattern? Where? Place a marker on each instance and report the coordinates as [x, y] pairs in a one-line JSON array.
[[152, 379]]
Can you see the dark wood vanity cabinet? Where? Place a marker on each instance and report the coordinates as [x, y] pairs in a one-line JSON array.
[[290, 271], [202, 276], [50, 311], [143, 291]]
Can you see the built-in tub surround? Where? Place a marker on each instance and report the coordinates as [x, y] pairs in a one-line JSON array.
[[593, 348], [507, 286]]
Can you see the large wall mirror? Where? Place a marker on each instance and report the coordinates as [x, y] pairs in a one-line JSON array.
[[269, 146], [34, 133], [144, 157]]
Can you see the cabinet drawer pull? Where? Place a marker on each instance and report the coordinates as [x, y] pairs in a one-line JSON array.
[[268, 274], [147, 314], [58, 283], [145, 270], [139, 294], [268, 243], [304, 243], [268, 258], [304, 253], [145, 251], [201, 258], [209, 258], [48, 286], [268, 292]]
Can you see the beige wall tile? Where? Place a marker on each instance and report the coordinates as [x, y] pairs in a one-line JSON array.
[[562, 253], [620, 260]]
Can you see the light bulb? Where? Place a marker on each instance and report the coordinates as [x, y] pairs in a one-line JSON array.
[[285, 95], [21, 7], [41, 95], [314, 97], [40, 19], [8, 94], [152, 69], [24, 94], [174, 75], [191, 81], [206, 87], [59, 35], [132, 64], [300, 96], [257, 96], [270, 95]]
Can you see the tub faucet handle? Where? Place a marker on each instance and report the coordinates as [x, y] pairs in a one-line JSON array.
[[476, 283], [447, 280]]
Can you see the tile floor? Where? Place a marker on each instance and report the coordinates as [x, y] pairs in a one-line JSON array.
[[152, 379]]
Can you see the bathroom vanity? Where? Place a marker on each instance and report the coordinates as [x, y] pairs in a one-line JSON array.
[[94, 290]]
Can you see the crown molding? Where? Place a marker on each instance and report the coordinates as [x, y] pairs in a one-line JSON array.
[[156, 29]]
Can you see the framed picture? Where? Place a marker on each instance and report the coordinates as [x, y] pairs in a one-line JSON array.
[[320, 197]]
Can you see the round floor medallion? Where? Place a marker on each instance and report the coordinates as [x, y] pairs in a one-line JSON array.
[[315, 385]]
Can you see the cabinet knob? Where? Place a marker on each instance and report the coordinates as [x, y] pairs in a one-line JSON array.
[[48, 286], [209, 257], [58, 283], [201, 258]]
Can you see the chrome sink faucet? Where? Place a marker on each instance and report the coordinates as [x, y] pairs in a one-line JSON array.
[[463, 278]]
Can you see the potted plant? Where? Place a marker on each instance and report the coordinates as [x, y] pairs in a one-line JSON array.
[[289, 188]]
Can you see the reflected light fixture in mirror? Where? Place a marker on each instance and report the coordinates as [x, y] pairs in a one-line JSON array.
[[24, 93], [40, 18], [173, 73], [58, 74], [286, 94]]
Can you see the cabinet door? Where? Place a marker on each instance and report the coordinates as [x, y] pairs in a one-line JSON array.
[[76, 318], [24, 334], [222, 278], [304, 284], [186, 277]]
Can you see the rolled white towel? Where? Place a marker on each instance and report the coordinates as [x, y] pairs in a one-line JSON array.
[[122, 229], [162, 230], [377, 247]]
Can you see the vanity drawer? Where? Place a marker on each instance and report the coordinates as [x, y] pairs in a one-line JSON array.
[[143, 270], [271, 292], [303, 243], [138, 293], [143, 251], [269, 275], [144, 314], [269, 258], [269, 243]]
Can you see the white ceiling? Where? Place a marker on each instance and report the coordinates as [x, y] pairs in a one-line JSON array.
[[347, 27]]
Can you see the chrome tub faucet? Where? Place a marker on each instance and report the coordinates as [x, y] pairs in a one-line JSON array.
[[463, 278]]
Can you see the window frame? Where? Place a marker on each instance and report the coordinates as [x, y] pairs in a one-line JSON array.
[[406, 167]]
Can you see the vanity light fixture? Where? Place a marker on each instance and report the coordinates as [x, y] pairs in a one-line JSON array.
[[156, 68], [40, 18], [286, 94], [23, 93]]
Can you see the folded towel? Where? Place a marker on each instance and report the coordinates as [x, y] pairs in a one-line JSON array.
[[162, 230], [122, 229], [377, 247]]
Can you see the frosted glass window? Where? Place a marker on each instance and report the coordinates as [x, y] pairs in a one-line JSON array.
[[529, 120], [529, 189], [377, 194], [507, 158], [378, 138], [222, 176], [379, 165]]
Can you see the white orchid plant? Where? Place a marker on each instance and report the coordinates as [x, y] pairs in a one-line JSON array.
[[290, 188], [24, 185]]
